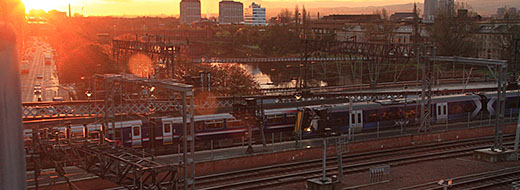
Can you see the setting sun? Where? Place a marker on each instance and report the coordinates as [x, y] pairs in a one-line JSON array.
[[44, 5]]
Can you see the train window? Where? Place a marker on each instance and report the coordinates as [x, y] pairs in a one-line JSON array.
[[372, 117], [232, 123], [291, 118], [455, 108], [337, 121], [410, 113], [198, 125], [118, 133], [167, 128], [214, 124], [274, 118], [137, 131], [469, 107], [390, 114]]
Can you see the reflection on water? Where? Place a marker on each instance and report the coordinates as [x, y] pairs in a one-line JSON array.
[[288, 78]]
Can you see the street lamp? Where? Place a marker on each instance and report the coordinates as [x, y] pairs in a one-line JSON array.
[[88, 93]]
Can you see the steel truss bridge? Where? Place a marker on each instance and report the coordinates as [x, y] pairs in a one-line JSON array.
[[160, 50], [129, 168], [272, 60], [125, 167]]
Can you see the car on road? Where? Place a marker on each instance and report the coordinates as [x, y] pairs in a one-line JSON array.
[[58, 99], [39, 77], [37, 88]]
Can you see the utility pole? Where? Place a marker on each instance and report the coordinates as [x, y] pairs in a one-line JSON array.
[[339, 150], [517, 137]]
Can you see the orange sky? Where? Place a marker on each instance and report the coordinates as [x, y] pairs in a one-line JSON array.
[[171, 7]]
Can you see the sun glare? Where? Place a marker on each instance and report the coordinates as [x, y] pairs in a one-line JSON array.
[[45, 5]]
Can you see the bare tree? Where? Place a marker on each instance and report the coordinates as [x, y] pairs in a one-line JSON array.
[[285, 16], [296, 15], [452, 33]]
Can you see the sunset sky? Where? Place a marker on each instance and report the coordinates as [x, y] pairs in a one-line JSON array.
[[171, 7]]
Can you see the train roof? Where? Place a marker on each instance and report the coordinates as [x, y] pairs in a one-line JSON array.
[[509, 93], [126, 123], [396, 102], [199, 118], [279, 111], [343, 106], [456, 97]]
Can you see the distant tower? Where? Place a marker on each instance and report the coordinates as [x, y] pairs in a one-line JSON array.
[[190, 11], [447, 5], [230, 12], [70, 14], [430, 6], [255, 15]]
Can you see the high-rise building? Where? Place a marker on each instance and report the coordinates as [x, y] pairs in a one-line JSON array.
[[446, 5], [430, 8], [190, 11], [230, 12], [501, 12], [255, 15]]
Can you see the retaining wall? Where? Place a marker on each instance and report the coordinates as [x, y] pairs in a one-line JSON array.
[[272, 158]]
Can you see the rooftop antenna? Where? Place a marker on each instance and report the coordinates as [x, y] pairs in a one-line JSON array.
[[70, 14]]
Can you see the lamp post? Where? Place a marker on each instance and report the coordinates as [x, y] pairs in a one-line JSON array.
[[88, 93], [298, 97], [83, 78]]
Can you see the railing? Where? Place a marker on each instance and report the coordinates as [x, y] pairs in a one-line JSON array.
[[269, 60]]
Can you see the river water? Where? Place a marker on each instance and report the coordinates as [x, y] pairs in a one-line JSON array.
[[275, 75]]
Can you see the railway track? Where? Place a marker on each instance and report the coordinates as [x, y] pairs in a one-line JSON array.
[[496, 178], [270, 176]]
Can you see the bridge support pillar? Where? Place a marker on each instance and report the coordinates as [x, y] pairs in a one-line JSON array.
[[12, 157]]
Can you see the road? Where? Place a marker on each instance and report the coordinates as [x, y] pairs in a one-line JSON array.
[[35, 64]]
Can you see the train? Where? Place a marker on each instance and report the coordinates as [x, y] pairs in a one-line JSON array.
[[359, 117]]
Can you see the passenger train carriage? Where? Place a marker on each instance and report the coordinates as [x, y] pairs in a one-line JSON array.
[[360, 117]]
